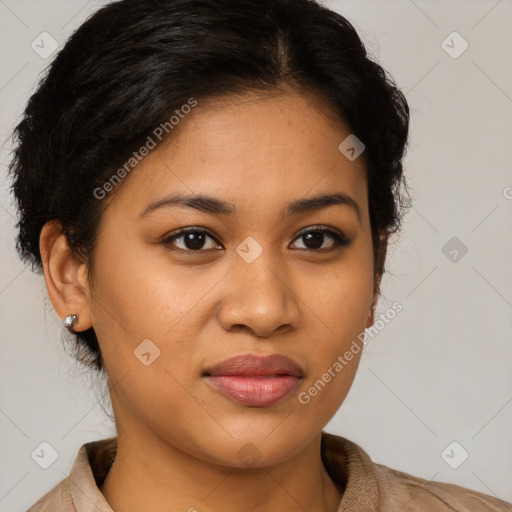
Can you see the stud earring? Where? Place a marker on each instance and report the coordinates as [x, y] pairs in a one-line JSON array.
[[70, 321]]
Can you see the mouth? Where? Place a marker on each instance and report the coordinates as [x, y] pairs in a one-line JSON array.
[[255, 381]]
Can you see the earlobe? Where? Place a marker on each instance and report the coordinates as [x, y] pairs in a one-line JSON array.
[[369, 319], [65, 276], [381, 258], [376, 292]]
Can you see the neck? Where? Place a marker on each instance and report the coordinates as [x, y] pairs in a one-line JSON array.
[[150, 473]]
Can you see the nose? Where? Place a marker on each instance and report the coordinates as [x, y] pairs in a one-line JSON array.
[[259, 298]]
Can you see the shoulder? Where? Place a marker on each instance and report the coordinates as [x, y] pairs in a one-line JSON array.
[[368, 486], [59, 498], [413, 494], [79, 490]]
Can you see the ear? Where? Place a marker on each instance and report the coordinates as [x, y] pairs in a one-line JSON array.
[[65, 276], [381, 258]]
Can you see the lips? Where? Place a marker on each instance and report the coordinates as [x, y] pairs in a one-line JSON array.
[[255, 381], [250, 365]]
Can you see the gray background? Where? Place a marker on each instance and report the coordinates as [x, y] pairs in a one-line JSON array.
[[439, 371]]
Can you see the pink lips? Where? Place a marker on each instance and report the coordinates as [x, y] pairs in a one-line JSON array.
[[255, 381]]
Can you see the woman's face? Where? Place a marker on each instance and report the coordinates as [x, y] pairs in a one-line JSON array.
[[260, 280]]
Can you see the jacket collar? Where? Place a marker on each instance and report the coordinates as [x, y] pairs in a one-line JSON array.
[[350, 468]]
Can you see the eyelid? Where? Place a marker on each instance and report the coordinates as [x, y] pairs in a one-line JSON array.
[[341, 240], [168, 238], [324, 228]]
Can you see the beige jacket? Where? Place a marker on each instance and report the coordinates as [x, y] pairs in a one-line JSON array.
[[366, 486]]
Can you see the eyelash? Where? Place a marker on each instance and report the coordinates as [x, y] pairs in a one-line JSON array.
[[340, 239]]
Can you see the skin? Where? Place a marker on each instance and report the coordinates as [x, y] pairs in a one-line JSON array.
[[178, 438]]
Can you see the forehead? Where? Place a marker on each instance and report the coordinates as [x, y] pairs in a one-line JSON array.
[[251, 150]]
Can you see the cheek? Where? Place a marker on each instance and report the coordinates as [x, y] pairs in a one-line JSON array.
[[145, 315], [340, 303], [135, 297], [332, 367], [140, 318], [341, 296]]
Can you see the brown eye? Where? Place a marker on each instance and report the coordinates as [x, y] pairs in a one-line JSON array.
[[314, 239], [192, 240], [198, 240]]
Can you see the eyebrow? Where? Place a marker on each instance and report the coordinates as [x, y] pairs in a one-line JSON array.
[[214, 206]]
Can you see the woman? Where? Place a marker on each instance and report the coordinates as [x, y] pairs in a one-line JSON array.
[[209, 187]]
